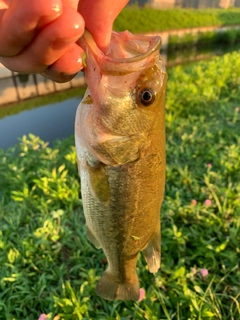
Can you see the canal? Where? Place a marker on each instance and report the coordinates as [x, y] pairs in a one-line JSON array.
[[51, 121]]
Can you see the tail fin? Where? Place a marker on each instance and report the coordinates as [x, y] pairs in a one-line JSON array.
[[111, 289]]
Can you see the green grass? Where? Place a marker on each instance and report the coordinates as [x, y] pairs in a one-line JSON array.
[[48, 266], [139, 20]]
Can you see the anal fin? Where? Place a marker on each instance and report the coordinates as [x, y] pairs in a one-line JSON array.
[[152, 253], [92, 238]]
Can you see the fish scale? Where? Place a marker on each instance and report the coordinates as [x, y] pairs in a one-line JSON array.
[[120, 143]]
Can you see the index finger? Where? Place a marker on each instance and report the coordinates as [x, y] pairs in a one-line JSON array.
[[21, 20]]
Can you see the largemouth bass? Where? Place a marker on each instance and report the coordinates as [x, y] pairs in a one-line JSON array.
[[120, 142]]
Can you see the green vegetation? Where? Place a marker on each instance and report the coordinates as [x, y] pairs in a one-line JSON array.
[[191, 54], [139, 20], [48, 266], [39, 101], [228, 37]]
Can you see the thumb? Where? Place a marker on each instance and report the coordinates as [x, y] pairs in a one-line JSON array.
[[99, 16]]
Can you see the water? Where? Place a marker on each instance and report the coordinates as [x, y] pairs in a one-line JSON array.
[[56, 121], [50, 122], [194, 54]]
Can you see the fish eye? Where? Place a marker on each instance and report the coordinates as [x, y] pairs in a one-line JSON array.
[[146, 96]]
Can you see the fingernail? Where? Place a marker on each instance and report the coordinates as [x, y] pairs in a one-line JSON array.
[[63, 77], [59, 77]]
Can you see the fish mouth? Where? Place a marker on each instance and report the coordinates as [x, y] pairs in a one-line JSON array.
[[127, 52]]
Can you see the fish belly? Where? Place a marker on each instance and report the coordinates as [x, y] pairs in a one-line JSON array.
[[128, 222]]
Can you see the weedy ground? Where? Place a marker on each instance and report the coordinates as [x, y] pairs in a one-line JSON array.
[[48, 267], [136, 19]]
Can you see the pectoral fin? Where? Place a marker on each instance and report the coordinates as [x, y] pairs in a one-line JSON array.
[[152, 253], [92, 238], [98, 182]]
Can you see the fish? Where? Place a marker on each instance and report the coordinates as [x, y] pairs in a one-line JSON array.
[[120, 146]]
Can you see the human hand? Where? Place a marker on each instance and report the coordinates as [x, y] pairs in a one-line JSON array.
[[36, 36], [40, 36]]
